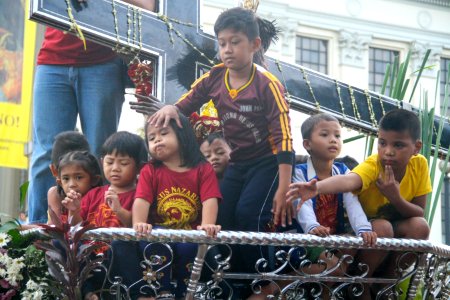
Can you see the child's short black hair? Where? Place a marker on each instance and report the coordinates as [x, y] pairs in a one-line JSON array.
[[87, 161], [238, 19], [190, 154], [402, 120], [309, 124], [214, 136], [126, 143], [68, 141]]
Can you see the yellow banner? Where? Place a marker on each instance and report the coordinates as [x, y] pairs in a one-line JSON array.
[[17, 48]]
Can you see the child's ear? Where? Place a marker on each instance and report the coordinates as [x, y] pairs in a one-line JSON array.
[[256, 44], [53, 169], [306, 145], [417, 147]]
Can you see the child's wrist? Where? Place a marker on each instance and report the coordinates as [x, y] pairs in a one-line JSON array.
[[75, 210]]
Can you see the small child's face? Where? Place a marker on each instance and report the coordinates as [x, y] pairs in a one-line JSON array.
[[235, 49], [74, 177], [395, 148], [218, 155], [120, 170], [325, 142], [163, 143]]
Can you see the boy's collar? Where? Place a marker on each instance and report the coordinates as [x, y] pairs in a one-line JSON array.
[[311, 172]]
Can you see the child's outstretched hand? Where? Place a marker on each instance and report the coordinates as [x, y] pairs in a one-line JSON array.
[[163, 116], [302, 190], [388, 186], [211, 229], [72, 201], [142, 228], [320, 231], [112, 200], [369, 238]]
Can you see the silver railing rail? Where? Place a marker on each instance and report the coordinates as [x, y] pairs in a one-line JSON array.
[[429, 274]]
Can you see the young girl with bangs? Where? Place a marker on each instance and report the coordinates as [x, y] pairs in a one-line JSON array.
[[177, 189], [78, 173]]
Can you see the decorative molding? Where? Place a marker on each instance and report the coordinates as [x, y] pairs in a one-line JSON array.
[[424, 19], [353, 47], [418, 50], [287, 35], [354, 7]]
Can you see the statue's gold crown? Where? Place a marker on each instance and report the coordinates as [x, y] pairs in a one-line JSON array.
[[250, 4]]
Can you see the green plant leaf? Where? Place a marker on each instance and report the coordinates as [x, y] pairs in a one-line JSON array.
[[386, 78], [13, 224], [438, 191], [424, 61], [22, 194]]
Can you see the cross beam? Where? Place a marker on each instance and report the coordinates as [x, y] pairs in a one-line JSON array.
[[181, 51]]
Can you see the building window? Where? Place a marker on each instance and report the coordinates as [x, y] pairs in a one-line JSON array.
[[312, 53], [443, 77], [378, 60]]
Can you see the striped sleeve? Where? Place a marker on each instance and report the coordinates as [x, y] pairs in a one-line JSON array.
[[278, 120], [195, 97]]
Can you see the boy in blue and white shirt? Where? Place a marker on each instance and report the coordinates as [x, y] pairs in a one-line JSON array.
[[324, 214]]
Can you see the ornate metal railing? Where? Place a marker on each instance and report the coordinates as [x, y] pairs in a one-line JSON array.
[[445, 3], [429, 274]]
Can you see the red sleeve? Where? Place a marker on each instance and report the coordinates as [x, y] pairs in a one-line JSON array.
[[85, 201], [144, 188], [209, 185], [278, 120], [196, 97]]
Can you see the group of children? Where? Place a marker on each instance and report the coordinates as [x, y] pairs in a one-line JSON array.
[[252, 160]]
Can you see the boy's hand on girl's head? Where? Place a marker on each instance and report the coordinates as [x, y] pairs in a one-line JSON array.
[[388, 186], [303, 191], [210, 229], [281, 209], [142, 228], [369, 238], [147, 105], [163, 116], [321, 231], [72, 201], [112, 200]]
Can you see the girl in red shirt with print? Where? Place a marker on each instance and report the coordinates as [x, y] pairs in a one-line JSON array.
[[177, 189]]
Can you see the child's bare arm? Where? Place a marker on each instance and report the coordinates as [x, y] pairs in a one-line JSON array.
[[140, 211], [333, 185], [54, 202], [210, 207], [390, 188], [282, 210]]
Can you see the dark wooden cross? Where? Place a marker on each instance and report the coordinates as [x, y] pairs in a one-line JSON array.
[[181, 51]]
